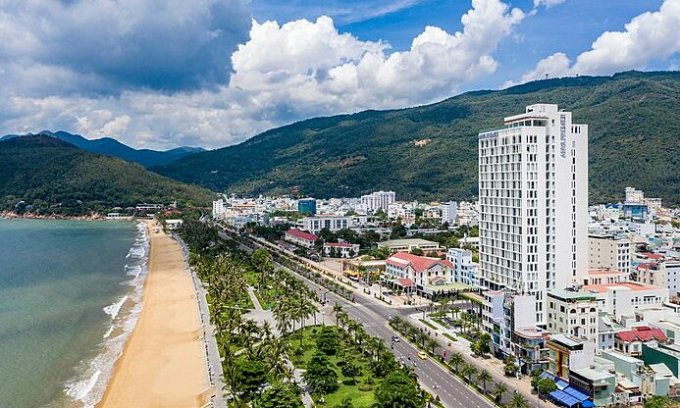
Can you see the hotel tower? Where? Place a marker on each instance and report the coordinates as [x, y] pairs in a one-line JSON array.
[[533, 197]]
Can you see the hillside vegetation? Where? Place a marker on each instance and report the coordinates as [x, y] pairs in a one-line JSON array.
[[634, 122], [57, 177]]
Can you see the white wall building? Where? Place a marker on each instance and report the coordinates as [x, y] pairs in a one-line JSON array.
[[634, 196], [608, 252], [573, 313], [333, 223], [449, 212], [378, 200], [625, 298], [217, 208], [465, 271], [533, 197]]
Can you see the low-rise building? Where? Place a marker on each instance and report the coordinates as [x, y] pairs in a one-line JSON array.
[[331, 223], [597, 380], [604, 277], [567, 353], [465, 270], [300, 238], [610, 252], [408, 245], [422, 272], [340, 249], [574, 313], [624, 298], [662, 274], [630, 341]]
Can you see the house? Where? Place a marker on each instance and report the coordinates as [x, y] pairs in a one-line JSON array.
[[408, 245], [630, 341], [340, 249], [567, 353], [300, 238], [574, 313], [624, 298], [418, 272]]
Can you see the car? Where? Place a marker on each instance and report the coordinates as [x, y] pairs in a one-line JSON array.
[[422, 355], [395, 339]]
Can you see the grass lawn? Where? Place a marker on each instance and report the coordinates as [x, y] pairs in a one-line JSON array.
[[360, 399], [428, 324]]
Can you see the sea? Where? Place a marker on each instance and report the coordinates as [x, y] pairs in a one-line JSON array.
[[70, 293]]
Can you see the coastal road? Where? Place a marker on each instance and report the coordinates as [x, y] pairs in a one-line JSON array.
[[452, 392]]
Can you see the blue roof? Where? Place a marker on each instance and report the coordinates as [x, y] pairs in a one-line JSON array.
[[587, 404], [564, 398], [576, 394], [561, 384]]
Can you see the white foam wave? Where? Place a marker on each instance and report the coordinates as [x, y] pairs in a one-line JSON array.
[[114, 308], [89, 386]]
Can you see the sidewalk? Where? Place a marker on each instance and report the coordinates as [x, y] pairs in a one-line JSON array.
[[492, 365]]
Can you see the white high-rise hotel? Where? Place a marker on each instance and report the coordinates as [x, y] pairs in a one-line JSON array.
[[533, 196]]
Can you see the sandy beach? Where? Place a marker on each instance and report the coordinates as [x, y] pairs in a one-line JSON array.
[[164, 362]]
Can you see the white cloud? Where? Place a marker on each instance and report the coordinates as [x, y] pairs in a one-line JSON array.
[[282, 73], [547, 3], [648, 37]]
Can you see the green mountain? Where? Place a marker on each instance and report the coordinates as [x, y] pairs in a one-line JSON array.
[[57, 177], [633, 118], [114, 148]]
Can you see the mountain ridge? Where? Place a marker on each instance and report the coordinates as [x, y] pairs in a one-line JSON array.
[[352, 154], [56, 177], [114, 148]]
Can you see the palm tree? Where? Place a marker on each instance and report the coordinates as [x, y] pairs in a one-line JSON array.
[[432, 344], [468, 371], [337, 308], [483, 377], [499, 391], [518, 401], [456, 360]]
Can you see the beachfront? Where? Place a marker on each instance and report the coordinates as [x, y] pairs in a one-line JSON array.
[[164, 362]]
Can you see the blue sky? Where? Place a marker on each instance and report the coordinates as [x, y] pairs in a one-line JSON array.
[[164, 73]]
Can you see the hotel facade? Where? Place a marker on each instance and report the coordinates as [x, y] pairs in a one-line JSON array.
[[533, 196]]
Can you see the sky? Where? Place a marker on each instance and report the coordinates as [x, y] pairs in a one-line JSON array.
[[161, 74]]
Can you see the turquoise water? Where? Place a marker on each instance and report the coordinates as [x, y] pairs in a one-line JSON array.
[[68, 293]]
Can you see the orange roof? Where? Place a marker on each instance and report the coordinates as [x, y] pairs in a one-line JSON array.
[[604, 271], [629, 285], [418, 263], [301, 234]]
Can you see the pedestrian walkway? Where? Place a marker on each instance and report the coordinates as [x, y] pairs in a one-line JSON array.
[[254, 299]]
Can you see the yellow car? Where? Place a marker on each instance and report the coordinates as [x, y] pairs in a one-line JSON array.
[[422, 355]]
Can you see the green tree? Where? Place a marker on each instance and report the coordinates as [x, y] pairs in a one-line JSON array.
[[381, 253], [417, 251], [351, 370], [658, 401], [398, 390], [483, 377], [499, 391], [320, 376], [250, 377], [327, 340], [518, 401], [456, 361], [468, 371], [546, 386], [509, 367], [279, 396]]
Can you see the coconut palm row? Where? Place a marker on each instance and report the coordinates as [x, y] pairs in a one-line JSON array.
[[468, 372]]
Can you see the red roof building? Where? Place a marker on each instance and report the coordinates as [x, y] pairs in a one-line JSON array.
[[301, 238], [423, 271], [630, 341]]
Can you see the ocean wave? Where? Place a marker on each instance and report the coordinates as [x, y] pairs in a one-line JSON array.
[[113, 309], [89, 387]]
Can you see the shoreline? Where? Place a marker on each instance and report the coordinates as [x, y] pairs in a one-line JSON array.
[[163, 362], [10, 215]]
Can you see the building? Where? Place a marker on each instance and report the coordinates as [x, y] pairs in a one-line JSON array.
[[630, 342], [667, 354], [364, 270], [634, 196], [449, 212], [217, 208], [566, 353], [608, 252], [340, 249], [664, 274], [604, 277], [173, 225], [307, 206], [607, 329], [597, 381], [533, 198], [529, 348], [332, 223], [623, 299], [418, 272], [378, 200], [573, 313], [465, 270], [300, 238], [408, 245]]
